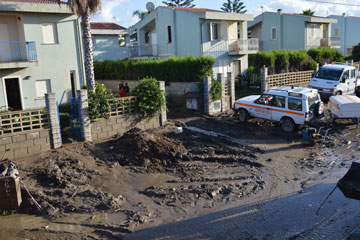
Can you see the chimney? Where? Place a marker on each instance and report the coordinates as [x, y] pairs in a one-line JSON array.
[[279, 11]]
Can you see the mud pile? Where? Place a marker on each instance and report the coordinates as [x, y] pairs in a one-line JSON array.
[[64, 185], [150, 150]]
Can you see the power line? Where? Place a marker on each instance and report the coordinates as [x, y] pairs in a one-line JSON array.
[[336, 3]]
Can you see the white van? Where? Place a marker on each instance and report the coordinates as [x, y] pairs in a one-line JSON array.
[[291, 106], [335, 79]]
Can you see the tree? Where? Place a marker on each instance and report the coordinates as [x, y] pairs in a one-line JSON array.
[[308, 12], [84, 8], [179, 3], [140, 14], [356, 53], [235, 6]]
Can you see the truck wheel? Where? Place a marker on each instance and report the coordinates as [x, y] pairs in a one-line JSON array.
[[243, 115], [288, 125], [338, 93]]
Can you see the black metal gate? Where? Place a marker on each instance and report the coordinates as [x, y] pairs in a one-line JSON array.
[[75, 118]]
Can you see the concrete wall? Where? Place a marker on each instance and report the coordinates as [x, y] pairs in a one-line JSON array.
[[349, 37], [107, 48], [104, 128], [25, 144], [55, 61]]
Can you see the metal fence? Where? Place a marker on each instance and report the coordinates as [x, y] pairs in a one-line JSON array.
[[143, 50], [21, 121], [17, 51], [122, 106]]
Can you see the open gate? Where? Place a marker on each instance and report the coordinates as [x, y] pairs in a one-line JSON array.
[[75, 118]]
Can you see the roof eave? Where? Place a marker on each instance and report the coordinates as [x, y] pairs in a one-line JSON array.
[[228, 16], [34, 7], [323, 20]]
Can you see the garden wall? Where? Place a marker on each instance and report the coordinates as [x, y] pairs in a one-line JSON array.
[[24, 144], [113, 85], [104, 128]]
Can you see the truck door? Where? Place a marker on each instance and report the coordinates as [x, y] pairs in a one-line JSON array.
[[278, 108], [352, 81], [345, 82], [263, 107]]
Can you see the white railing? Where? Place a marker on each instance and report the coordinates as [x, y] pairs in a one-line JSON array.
[[315, 42], [240, 45], [234, 45]]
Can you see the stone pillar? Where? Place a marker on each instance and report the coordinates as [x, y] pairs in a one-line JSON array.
[[352, 62], [163, 116], [317, 67], [224, 104], [85, 123], [207, 97], [231, 82], [264, 76], [54, 122]]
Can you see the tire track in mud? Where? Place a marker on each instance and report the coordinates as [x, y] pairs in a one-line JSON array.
[[288, 217]]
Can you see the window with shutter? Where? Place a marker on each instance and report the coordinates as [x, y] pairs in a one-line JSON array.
[[273, 33], [49, 33], [42, 87]]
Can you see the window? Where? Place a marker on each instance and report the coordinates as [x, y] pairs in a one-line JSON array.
[[329, 74], [49, 33], [336, 33], [346, 74], [214, 31], [353, 73], [42, 87], [279, 102], [312, 30], [295, 104], [169, 34], [265, 99], [273, 33]]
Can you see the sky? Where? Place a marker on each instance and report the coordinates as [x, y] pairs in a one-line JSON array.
[[120, 11]]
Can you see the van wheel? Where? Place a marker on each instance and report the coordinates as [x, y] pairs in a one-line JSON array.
[[288, 125], [338, 93], [243, 115]]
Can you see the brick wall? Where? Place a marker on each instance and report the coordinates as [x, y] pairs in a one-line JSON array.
[[104, 128], [25, 144]]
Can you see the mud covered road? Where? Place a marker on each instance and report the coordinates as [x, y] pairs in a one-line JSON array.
[[219, 178]]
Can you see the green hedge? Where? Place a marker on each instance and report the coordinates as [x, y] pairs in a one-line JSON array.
[[279, 61], [174, 69]]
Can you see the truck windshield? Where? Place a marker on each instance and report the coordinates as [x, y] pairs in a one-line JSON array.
[[312, 100], [329, 74]]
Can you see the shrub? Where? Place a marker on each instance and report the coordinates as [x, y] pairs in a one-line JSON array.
[[263, 58], [174, 69], [297, 58], [281, 60], [312, 65], [99, 107], [149, 97], [315, 54], [216, 89]]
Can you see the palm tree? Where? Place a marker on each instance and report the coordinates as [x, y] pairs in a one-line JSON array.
[[235, 6], [179, 3], [308, 12], [84, 8], [140, 14]]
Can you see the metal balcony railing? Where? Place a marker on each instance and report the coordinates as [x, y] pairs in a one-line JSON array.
[[315, 42], [18, 51], [239, 45], [143, 50]]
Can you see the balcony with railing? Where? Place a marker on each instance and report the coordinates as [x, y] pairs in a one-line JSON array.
[[328, 42], [143, 51], [232, 47], [240, 46], [17, 54]]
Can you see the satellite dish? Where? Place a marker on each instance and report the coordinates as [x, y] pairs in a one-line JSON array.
[[150, 6]]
